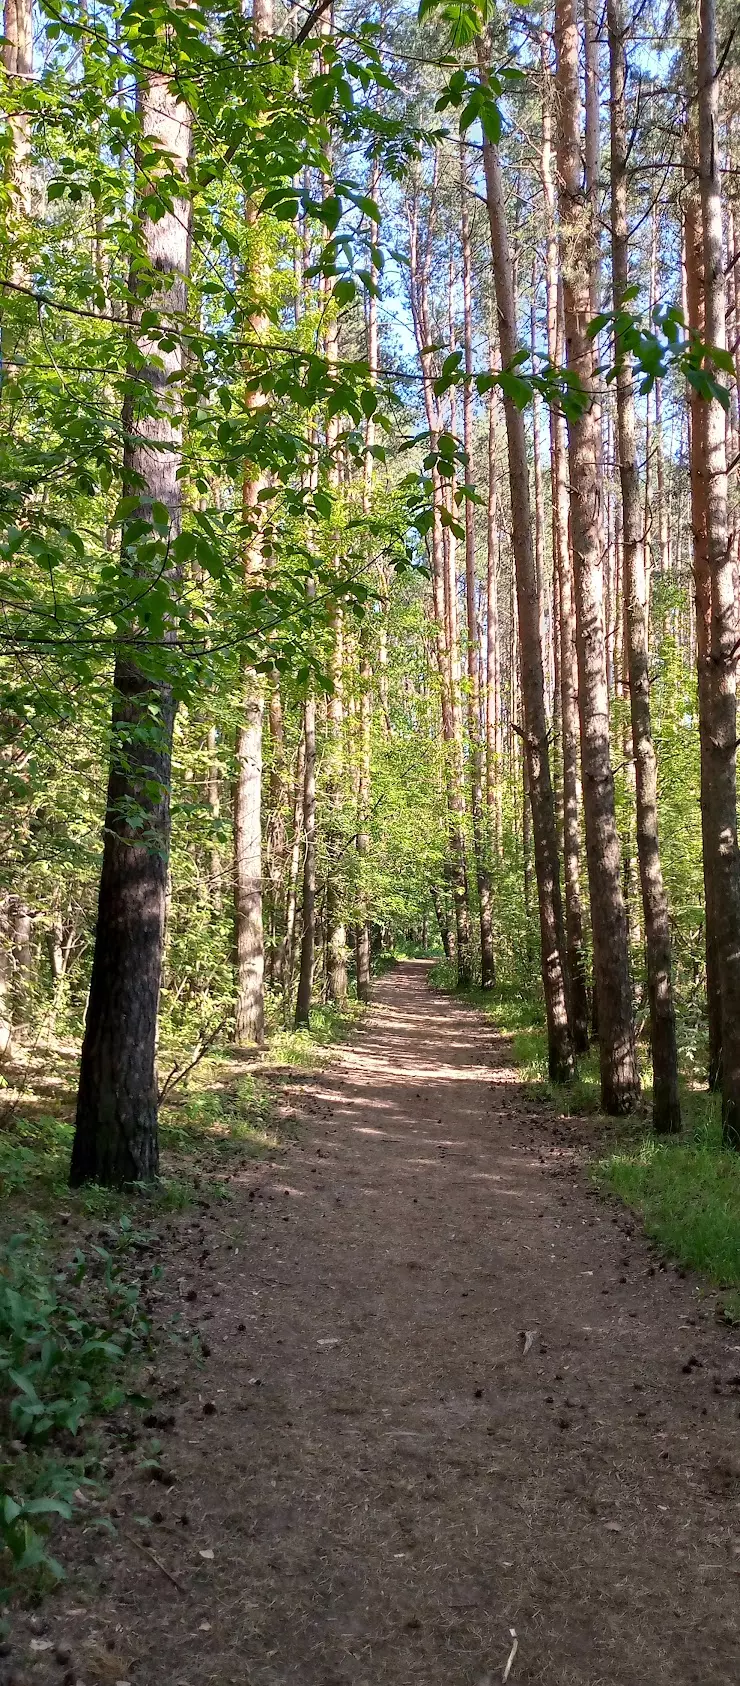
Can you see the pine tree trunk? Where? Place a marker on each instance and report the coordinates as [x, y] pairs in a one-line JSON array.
[[694, 267], [666, 1104], [438, 903], [493, 650], [560, 1055], [570, 727], [444, 589], [17, 59], [249, 1015], [619, 1075], [488, 964], [724, 622], [336, 937], [291, 893], [308, 938], [362, 932], [213, 798], [116, 1125]]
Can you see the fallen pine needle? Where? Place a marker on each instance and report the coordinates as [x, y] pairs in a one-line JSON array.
[[132, 1540], [511, 1656]]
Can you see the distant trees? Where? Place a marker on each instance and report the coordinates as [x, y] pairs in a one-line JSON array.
[[389, 662]]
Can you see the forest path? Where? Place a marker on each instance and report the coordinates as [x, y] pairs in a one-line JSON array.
[[388, 1481]]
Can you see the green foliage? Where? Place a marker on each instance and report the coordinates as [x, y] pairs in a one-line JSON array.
[[687, 1194], [67, 1334]]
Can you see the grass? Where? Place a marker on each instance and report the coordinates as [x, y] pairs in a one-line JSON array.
[[685, 1190]]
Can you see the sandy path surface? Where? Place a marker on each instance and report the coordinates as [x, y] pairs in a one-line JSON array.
[[388, 1481]]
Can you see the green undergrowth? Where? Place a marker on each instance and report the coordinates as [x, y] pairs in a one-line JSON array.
[[686, 1190], [73, 1310], [73, 1321]]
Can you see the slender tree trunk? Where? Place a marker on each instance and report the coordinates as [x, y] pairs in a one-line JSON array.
[[116, 1126], [291, 894], [666, 1104], [619, 1075], [276, 843], [362, 933], [305, 980], [694, 262], [560, 1055], [213, 798], [249, 1017], [6, 973], [17, 58], [16, 55], [336, 935], [488, 964], [444, 589], [438, 903], [493, 650], [724, 624]]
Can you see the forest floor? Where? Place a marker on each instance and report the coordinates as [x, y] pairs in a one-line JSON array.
[[452, 1413]]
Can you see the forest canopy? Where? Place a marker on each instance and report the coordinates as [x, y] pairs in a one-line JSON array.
[[369, 530]]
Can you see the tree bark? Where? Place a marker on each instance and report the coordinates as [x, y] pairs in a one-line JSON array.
[[116, 1125], [560, 1054], [566, 664], [17, 58], [666, 1104], [362, 931], [724, 622], [308, 937], [493, 649], [444, 589], [694, 266], [249, 1016], [619, 1075], [488, 963]]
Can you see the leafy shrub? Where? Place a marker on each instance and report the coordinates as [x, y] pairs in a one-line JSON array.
[[65, 1337]]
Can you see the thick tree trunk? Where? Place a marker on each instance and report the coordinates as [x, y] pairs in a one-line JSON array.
[[724, 622], [488, 964], [666, 1104], [560, 1054], [619, 1075], [116, 1126]]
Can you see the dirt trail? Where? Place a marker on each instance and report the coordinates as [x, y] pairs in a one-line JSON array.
[[389, 1483]]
